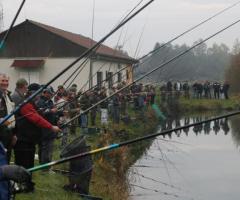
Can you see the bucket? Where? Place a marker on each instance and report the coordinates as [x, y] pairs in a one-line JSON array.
[[80, 169]]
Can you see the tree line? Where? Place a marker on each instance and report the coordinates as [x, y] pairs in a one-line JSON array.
[[212, 63]]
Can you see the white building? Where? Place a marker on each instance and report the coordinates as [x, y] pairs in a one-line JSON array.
[[38, 52]]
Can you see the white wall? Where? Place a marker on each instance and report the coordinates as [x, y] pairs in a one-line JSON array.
[[53, 66], [108, 67], [10, 71]]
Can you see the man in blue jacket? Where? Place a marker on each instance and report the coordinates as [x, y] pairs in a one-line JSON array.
[[10, 172]]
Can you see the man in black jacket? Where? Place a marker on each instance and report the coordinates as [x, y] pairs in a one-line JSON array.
[[7, 140], [6, 106]]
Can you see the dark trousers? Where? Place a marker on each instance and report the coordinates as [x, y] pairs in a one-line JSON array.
[[93, 114], [116, 114], [216, 94], [24, 154], [226, 95], [45, 151]]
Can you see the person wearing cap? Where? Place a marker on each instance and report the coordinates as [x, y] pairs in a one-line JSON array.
[[30, 124], [49, 112]]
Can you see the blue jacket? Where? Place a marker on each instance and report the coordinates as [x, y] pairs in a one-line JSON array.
[[4, 185]]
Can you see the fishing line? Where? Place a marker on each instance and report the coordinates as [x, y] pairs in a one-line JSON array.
[[128, 142], [103, 64], [4, 40], [86, 53], [155, 69], [192, 28], [157, 191], [175, 38], [139, 41], [164, 163], [55, 104], [178, 150], [170, 41], [92, 36], [78, 70], [129, 12], [173, 141], [157, 181], [17, 108], [82, 66]]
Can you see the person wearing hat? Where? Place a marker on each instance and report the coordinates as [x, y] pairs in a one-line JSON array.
[[49, 112], [30, 124]]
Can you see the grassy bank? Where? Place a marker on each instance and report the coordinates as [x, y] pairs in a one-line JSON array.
[[109, 177], [189, 105]]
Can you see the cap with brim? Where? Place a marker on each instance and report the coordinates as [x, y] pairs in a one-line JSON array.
[[49, 90]]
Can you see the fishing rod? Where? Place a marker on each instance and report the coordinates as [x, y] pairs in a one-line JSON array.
[[192, 28], [128, 142], [114, 51], [79, 69], [91, 77], [84, 64], [172, 40], [137, 47], [3, 41], [139, 41], [224, 10], [86, 53], [155, 69]]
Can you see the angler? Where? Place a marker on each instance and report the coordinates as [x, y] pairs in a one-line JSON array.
[[29, 132], [143, 59], [85, 54]]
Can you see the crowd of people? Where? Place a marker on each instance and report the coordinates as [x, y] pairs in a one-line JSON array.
[[49, 115], [198, 89], [52, 114]]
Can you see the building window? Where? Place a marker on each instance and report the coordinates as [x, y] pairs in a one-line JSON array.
[[127, 75], [99, 79], [109, 79], [119, 77]]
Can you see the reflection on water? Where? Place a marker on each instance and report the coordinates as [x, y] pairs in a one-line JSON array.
[[206, 128], [202, 162]]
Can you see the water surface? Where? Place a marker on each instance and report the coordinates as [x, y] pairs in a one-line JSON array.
[[202, 163]]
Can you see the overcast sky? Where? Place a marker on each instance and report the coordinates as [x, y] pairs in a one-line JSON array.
[[162, 19]]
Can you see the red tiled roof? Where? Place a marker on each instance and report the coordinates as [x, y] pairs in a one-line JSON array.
[[82, 41], [27, 63]]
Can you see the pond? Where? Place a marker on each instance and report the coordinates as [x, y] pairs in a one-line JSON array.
[[201, 163]]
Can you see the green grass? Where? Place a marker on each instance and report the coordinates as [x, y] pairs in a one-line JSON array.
[[187, 105], [48, 187], [109, 177]]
